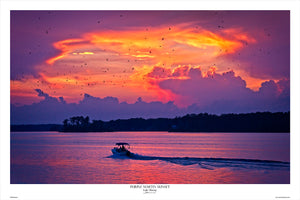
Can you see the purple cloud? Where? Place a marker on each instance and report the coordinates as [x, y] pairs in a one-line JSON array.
[[223, 93], [55, 110], [220, 93]]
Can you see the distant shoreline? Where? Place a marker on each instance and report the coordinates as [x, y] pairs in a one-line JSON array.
[[265, 122]]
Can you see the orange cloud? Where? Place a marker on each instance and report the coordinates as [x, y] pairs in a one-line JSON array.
[[66, 46], [121, 62], [158, 44], [83, 53]]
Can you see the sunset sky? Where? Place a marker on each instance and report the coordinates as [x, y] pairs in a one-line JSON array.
[[189, 60]]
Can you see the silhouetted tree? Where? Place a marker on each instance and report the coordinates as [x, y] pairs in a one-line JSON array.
[[65, 122], [203, 122]]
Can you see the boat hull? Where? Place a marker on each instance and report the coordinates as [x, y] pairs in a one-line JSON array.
[[120, 153]]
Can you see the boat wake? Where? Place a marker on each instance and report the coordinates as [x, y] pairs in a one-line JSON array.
[[214, 163]]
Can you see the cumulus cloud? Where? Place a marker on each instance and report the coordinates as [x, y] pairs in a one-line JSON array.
[[42, 94], [107, 55], [159, 72], [55, 110], [219, 93], [203, 92]]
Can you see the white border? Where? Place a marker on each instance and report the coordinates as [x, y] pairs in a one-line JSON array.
[[110, 191]]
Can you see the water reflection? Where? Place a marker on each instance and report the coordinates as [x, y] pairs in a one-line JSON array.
[[179, 158]]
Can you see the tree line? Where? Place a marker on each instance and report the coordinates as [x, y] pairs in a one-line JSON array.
[[203, 122]]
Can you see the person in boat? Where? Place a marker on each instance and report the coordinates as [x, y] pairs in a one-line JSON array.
[[121, 148]]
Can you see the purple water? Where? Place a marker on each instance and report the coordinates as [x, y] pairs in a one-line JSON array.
[[159, 157]]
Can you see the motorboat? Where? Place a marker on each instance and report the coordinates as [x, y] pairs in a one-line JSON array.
[[121, 149]]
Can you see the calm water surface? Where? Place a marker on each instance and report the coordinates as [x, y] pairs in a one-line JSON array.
[[159, 157]]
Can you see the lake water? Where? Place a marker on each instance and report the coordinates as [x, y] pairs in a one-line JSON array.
[[159, 157]]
